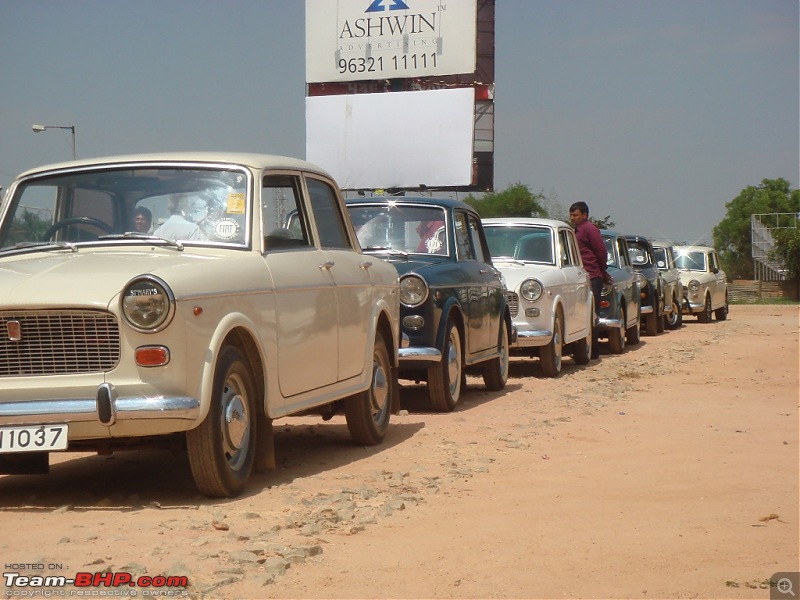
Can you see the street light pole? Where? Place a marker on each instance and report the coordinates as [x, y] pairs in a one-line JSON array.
[[40, 128]]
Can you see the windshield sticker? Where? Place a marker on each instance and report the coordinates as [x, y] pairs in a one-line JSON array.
[[226, 229], [235, 204]]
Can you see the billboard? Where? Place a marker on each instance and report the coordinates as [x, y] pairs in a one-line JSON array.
[[352, 40], [396, 140]]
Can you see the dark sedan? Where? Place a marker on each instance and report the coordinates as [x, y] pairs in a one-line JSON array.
[[620, 307], [452, 298], [651, 288]]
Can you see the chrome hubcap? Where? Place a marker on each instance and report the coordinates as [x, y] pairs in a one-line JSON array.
[[235, 425], [380, 389]]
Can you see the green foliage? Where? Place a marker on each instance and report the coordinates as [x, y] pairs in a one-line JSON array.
[[30, 228], [787, 251], [732, 235], [604, 223], [515, 201]]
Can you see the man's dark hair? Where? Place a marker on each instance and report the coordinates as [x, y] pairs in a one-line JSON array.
[[144, 211], [581, 206]]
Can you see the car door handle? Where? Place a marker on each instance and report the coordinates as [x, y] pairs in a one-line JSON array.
[[327, 266], [483, 271], [365, 265]]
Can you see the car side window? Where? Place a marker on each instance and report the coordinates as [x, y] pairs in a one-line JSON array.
[[563, 248], [283, 220], [622, 249], [481, 253], [463, 240], [328, 215]]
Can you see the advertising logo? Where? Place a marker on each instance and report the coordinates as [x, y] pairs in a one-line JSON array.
[[380, 5]]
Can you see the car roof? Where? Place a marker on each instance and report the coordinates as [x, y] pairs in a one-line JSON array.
[[524, 221], [610, 233], [446, 202], [693, 248], [638, 238], [251, 160]]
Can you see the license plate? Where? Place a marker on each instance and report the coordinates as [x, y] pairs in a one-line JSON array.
[[33, 438]]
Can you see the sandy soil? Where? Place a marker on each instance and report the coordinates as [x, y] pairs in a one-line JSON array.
[[670, 471]]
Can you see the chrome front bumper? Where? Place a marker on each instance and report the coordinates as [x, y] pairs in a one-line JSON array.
[[419, 353], [105, 409], [532, 337], [604, 324]]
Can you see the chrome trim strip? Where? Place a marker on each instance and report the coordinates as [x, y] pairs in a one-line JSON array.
[[418, 353], [77, 410], [610, 323]]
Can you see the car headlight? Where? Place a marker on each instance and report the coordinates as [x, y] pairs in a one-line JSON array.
[[531, 290], [606, 290], [148, 304], [413, 290], [694, 285], [641, 280]]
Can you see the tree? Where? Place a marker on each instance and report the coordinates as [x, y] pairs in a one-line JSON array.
[[515, 201], [732, 235], [604, 223], [787, 251]]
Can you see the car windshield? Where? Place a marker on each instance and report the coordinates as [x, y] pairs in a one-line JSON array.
[[638, 254], [191, 205], [611, 256], [531, 244], [400, 227], [661, 257], [690, 261]]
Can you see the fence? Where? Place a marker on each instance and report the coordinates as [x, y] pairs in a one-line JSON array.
[[752, 290]]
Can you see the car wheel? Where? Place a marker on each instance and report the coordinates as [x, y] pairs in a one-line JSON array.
[[661, 320], [722, 313], [222, 448], [651, 323], [445, 378], [705, 315], [583, 350], [550, 355], [633, 334], [367, 413], [495, 372], [675, 318], [616, 340]]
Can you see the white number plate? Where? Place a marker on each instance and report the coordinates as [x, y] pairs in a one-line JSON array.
[[33, 438]]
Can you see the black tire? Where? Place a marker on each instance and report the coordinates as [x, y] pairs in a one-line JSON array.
[[651, 323], [675, 318], [661, 322], [616, 340], [722, 313], [583, 351], [367, 413], [633, 334], [222, 448], [705, 315], [446, 379], [495, 371], [551, 355]]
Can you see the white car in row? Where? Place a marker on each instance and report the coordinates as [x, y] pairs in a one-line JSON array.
[[704, 283], [548, 289]]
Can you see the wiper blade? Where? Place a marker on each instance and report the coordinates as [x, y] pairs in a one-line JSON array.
[[390, 251], [135, 235], [42, 246]]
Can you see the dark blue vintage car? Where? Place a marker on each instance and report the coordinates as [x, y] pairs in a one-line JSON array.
[[620, 303], [453, 307], [651, 286]]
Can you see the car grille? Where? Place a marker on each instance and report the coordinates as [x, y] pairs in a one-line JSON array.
[[57, 342], [513, 303]]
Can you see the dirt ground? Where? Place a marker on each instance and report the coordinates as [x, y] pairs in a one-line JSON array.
[[670, 471]]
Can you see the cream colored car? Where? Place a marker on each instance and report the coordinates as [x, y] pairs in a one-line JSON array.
[[199, 328], [705, 287]]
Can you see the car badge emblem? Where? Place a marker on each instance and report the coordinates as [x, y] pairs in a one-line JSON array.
[[14, 330]]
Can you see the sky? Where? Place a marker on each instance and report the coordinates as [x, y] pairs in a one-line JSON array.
[[655, 112]]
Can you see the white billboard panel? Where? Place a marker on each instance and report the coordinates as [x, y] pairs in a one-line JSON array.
[[350, 40], [400, 139]]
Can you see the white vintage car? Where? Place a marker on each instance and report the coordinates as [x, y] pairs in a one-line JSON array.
[[548, 289], [162, 299], [705, 287]]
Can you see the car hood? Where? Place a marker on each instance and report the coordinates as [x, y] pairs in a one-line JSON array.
[[95, 277], [407, 265], [515, 272]]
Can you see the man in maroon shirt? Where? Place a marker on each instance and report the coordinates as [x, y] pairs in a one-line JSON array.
[[593, 253]]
